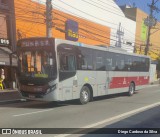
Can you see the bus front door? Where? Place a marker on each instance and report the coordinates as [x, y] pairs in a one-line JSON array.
[[67, 76]]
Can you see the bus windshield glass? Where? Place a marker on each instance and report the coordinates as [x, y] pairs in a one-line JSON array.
[[37, 64], [37, 58]]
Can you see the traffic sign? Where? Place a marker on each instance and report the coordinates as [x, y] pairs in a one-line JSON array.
[[150, 21]]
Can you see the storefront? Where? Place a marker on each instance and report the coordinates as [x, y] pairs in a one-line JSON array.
[[8, 62]]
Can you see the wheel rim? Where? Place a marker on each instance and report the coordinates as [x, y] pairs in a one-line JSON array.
[[131, 89], [85, 95]]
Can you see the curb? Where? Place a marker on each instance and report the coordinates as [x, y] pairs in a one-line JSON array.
[[9, 101], [10, 96], [12, 101]]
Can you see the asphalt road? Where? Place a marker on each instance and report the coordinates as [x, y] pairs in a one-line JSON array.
[[117, 111], [147, 122]]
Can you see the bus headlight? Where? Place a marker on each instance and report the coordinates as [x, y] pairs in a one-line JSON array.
[[52, 88], [48, 90]]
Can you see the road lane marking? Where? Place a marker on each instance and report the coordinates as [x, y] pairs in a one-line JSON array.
[[24, 114], [121, 116]]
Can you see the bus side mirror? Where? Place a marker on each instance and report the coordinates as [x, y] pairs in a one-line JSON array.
[[50, 62], [11, 57]]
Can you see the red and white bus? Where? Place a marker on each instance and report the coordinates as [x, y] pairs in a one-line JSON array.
[[58, 70]]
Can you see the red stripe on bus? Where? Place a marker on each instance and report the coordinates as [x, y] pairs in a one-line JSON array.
[[121, 82]]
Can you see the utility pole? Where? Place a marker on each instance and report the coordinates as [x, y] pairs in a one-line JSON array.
[[150, 22], [49, 18]]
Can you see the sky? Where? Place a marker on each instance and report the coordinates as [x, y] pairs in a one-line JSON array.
[[142, 4]]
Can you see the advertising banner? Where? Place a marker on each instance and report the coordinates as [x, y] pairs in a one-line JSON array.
[[71, 28], [144, 32]]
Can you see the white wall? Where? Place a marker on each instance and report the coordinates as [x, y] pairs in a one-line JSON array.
[[104, 12], [152, 73]]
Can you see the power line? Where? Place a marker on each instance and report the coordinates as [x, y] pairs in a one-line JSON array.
[[150, 24], [101, 31], [132, 34], [102, 8], [87, 13], [96, 18]]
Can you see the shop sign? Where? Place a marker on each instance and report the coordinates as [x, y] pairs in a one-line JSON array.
[[2, 63], [71, 28], [4, 41]]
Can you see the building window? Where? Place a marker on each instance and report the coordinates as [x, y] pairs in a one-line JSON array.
[[4, 2]]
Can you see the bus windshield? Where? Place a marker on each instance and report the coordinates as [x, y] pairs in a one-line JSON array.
[[37, 64]]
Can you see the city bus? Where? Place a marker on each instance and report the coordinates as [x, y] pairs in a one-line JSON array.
[[51, 69]]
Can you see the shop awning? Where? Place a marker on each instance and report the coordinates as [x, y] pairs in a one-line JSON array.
[[5, 54]]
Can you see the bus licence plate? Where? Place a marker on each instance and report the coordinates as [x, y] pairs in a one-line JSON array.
[[31, 96]]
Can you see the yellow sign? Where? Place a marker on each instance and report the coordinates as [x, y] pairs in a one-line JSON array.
[[144, 32], [72, 34], [86, 79], [38, 75]]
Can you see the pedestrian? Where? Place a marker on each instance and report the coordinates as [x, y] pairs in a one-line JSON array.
[[2, 74], [2, 77]]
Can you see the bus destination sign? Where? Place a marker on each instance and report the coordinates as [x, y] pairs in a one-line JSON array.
[[35, 43]]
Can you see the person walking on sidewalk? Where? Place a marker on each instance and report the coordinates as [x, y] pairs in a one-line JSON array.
[[2, 77]]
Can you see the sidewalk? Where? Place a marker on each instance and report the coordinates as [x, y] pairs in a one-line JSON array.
[[155, 82], [9, 95]]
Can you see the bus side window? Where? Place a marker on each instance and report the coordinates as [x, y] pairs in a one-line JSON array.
[[120, 62], [128, 63], [67, 62], [108, 61], [136, 64], [85, 59], [114, 63], [62, 62], [147, 62], [99, 59], [71, 63], [143, 64]]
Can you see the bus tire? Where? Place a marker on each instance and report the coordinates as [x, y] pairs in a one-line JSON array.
[[85, 95], [131, 89]]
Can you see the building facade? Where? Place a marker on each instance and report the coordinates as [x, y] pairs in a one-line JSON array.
[[139, 16], [99, 22], [7, 41]]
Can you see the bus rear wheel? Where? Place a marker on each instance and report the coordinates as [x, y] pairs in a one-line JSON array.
[[131, 89], [85, 95]]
